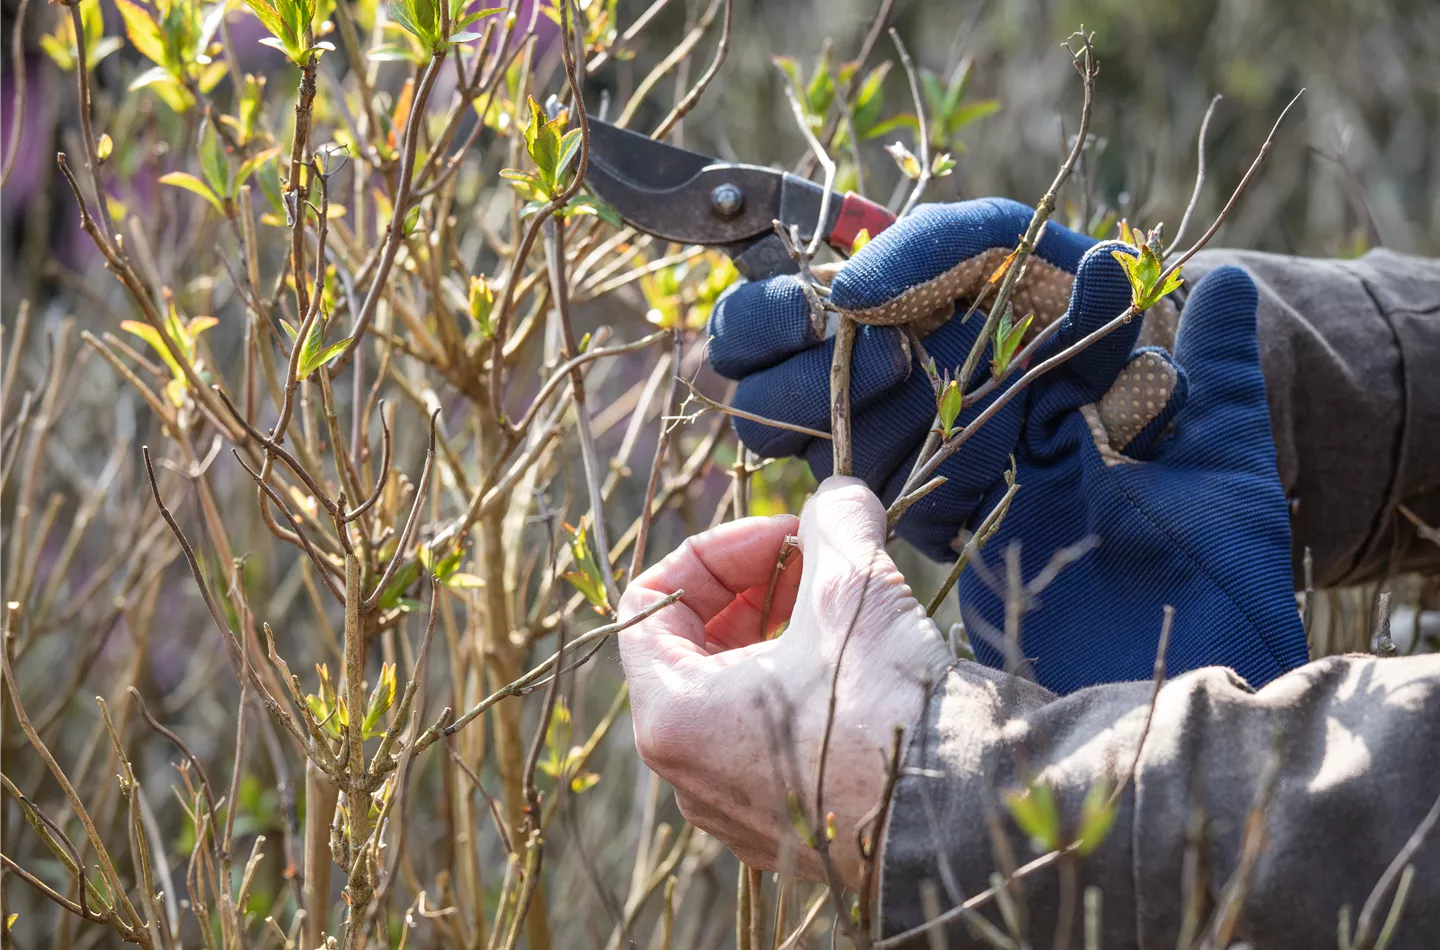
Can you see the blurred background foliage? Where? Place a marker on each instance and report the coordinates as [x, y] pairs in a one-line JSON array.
[[1357, 166]]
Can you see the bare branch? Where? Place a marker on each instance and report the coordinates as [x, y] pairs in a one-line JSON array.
[[1199, 172]]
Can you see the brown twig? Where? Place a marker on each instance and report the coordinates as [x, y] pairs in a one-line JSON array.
[[1366, 921], [528, 680], [872, 36], [973, 544], [683, 107], [662, 446], [137, 929], [1232, 899], [924, 128], [227, 635], [1199, 171], [17, 79], [1161, 649], [404, 542], [788, 545], [720, 407], [925, 463]]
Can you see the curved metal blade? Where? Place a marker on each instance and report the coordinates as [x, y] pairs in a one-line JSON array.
[[667, 191]]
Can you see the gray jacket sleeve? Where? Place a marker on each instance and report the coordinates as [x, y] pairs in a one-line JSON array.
[[1351, 354], [1353, 742]]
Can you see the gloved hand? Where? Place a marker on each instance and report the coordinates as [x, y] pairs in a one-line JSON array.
[[762, 335], [1194, 518]]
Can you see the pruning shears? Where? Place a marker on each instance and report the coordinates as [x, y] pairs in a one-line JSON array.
[[689, 198]]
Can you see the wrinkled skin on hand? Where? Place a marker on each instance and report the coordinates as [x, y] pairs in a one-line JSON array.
[[735, 721]]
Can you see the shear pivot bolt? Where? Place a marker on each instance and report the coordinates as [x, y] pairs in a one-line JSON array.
[[727, 200]]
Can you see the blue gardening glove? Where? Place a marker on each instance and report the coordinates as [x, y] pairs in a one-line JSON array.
[[1193, 517], [762, 335]]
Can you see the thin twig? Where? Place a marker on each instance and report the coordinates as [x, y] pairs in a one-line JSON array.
[[410, 522], [872, 36], [662, 446], [924, 127], [1199, 172], [528, 680], [1161, 649], [17, 79], [973, 544], [1365, 923], [1260, 157], [925, 466], [709, 403], [683, 107]]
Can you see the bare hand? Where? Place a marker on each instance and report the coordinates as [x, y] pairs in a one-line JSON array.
[[735, 722]]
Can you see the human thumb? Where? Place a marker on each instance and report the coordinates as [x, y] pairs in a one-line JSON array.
[[850, 588]]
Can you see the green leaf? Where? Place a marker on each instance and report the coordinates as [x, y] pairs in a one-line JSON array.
[[213, 163], [545, 152], [394, 53], [253, 164], [537, 121], [862, 238], [942, 165], [443, 568], [959, 84], [869, 99], [149, 77], [399, 584], [949, 404], [1007, 341], [60, 54], [268, 16], [934, 92], [1144, 268], [569, 148], [463, 21], [152, 336], [317, 360], [820, 91], [144, 34], [381, 698], [462, 581], [970, 112], [526, 183], [104, 146], [191, 183], [1097, 816], [797, 818], [557, 741], [587, 580], [92, 24], [909, 165], [589, 204], [482, 304], [418, 17], [870, 88], [790, 66], [1036, 815], [904, 120]]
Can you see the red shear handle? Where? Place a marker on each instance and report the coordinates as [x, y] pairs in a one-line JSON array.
[[858, 214]]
